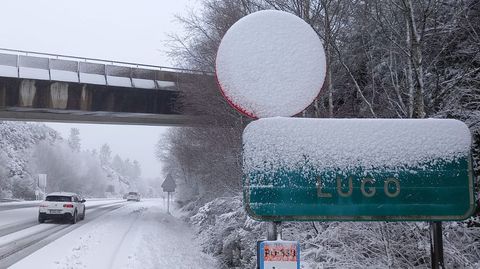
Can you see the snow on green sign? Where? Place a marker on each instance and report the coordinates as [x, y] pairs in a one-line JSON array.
[[357, 169]]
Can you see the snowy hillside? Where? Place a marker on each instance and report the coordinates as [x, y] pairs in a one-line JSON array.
[[29, 149], [17, 140]]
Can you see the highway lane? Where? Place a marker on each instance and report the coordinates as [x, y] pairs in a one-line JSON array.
[[29, 218], [18, 205], [20, 240]]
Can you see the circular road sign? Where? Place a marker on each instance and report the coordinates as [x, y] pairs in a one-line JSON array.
[[270, 63]]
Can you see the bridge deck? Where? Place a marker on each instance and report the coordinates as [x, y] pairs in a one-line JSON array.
[[42, 66], [46, 87]]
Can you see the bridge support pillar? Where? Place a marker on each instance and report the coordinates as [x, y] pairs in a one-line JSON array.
[[3, 95], [85, 99], [59, 95], [27, 92]]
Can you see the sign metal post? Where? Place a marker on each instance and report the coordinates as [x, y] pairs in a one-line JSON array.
[[168, 202], [274, 230], [42, 184], [436, 244], [169, 186]]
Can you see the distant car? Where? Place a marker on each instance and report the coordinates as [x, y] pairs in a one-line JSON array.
[[133, 196], [62, 206]]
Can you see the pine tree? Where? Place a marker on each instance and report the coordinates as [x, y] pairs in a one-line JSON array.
[[74, 139]]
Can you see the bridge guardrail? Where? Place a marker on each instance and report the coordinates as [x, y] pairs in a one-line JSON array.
[[45, 66]]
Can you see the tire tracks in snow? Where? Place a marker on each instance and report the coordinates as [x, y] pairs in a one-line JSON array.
[[25, 225], [138, 213], [18, 206]]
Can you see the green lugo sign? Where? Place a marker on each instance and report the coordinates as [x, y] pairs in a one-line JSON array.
[[357, 170]]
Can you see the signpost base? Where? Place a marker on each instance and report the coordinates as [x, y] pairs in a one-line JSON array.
[[436, 245]]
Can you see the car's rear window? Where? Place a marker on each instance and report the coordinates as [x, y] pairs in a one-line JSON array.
[[58, 198], [132, 193]]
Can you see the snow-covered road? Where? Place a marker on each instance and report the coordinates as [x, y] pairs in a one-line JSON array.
[[136, 235], [21, 215], [21, 234]]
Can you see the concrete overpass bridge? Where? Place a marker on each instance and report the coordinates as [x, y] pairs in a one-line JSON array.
[[46, 87]]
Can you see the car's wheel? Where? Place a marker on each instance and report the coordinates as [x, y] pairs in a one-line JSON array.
[[83, 215], [40, 220], [74, 218]]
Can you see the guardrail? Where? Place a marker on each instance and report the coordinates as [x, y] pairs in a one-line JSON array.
[[45, 66]]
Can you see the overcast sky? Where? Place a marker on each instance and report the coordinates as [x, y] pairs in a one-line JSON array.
[[122, 30]]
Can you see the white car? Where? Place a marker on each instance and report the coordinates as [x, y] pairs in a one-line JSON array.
[[61, 206], [133, 196]]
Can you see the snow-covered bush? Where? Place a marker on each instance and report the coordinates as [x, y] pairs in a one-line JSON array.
[[227, 232], [387, 245]]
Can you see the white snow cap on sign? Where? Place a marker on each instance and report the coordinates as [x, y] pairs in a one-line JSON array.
[[270, 63], [274, 143]]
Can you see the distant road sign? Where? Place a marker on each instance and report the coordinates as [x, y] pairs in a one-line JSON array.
[[279, 255], [352, 169], [42, 181], [169, 184]]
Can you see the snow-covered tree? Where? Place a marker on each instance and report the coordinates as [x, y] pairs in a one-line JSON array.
[[74, 139], [105, 154]]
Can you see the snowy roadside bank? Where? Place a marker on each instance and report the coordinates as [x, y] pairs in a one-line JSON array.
[[225, 232]]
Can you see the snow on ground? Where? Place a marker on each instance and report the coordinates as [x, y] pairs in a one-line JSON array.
[[21, 215], [90, 201], [30, 231], [139, 235], [18, 203]]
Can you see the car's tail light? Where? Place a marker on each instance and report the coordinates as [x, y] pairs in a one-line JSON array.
[[68, 205]]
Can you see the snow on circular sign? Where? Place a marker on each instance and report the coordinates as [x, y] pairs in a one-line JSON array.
[[270, 63]]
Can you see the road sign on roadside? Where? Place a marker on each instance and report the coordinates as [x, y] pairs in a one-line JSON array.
[[270, 63], [42, 181], [279, 255], [169, 184], [354, 169]]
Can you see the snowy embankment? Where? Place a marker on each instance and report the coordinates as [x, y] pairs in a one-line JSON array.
[[225, 231], [138, 235]]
